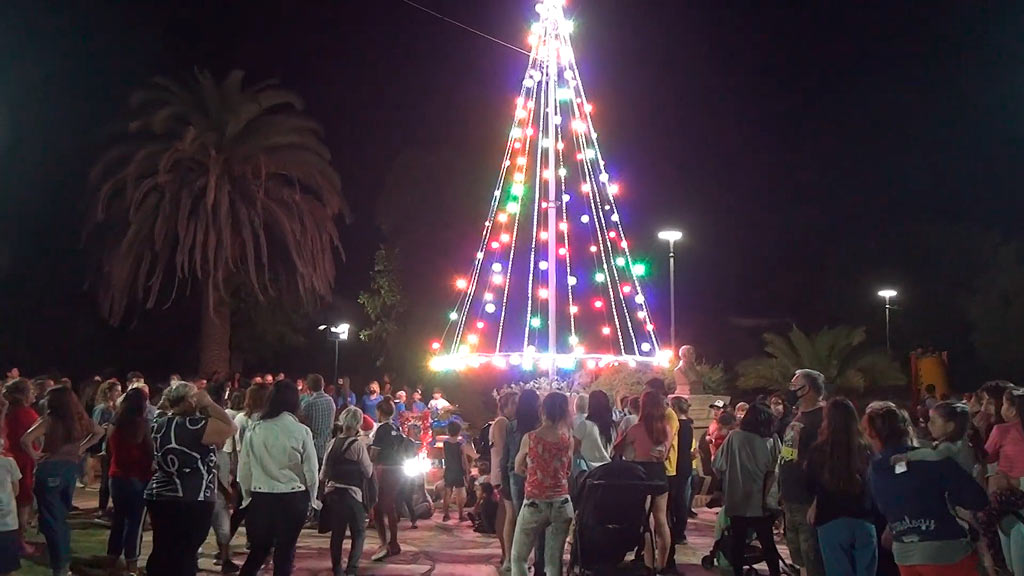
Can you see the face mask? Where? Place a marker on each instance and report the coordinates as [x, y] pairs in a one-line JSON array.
[[793, 396]]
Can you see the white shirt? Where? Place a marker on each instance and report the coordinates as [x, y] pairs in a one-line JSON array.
[[592, 446], [9, 474], [278, 457], [438, 404], [242, 422]]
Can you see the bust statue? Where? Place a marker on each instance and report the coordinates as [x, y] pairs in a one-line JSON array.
[[687, 377]]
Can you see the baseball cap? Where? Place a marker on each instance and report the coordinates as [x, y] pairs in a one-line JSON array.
[[720, 404]]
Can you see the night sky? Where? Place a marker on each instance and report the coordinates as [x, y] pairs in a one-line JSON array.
[[811, 154]]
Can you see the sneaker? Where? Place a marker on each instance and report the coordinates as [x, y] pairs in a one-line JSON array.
[[229, 567], [380, 554]]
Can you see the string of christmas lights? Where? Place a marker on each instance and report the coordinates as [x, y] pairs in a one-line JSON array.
[[573, 212]]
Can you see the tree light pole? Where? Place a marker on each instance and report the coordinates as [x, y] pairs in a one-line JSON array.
[[887, 294], [672, 236], [337, 333]]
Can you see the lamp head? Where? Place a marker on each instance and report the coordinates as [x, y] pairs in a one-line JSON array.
[[670, 235], [887, 293]]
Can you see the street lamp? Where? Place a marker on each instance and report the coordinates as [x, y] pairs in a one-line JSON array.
[[337, 333], [672, 236], [887, 294]]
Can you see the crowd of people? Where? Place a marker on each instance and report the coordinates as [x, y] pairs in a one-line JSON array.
[[855, 492], [197, 456]]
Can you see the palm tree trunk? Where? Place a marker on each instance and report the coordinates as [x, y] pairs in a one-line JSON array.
[[214, 333]]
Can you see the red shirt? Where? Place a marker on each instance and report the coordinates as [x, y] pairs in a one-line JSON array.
[[19, 420], [129, 458], [1006, 446], [547, 467]]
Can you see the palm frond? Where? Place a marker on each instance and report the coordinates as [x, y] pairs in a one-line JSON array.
[[212, 175]]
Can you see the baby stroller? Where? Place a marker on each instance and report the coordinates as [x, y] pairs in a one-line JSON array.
[[612, 519], [752, 554]]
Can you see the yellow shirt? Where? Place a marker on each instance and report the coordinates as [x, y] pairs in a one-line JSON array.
[[673, 442]]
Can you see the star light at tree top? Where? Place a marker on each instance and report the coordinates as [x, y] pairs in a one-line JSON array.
[[553, 283]]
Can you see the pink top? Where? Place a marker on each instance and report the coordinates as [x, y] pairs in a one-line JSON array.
[[1006, 446], [643, 446], [547, 467]]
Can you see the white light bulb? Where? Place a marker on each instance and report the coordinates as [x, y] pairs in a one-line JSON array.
[[603, 177], [584, 218], [571, 280], [490, 308], [496, 266], [543, 265], [645, 347], [639, 299], [615, 217]]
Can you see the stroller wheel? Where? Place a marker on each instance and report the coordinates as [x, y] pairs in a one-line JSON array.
[[707, 562]]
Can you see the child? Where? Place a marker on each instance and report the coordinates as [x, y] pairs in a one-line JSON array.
[[727, 422], [457, 455], [487, 504], [950, 424], [10, 541], [1005, 448]]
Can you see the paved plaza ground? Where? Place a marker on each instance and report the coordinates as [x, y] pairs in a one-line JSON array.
[[436, 548]]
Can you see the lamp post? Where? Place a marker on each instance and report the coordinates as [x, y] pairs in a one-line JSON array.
[[672, 236], [337, 333], [888, 293]]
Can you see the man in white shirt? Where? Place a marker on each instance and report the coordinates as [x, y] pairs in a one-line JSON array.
[[437, 402]]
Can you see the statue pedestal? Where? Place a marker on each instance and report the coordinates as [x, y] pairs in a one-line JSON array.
[[700, 409]]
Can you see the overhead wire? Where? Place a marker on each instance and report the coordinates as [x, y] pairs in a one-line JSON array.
[[463, 26]]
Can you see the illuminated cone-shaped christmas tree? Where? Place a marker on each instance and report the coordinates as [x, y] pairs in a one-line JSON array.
[[553, 283]]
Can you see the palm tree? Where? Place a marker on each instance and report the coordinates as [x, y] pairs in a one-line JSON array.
[[839, 353], [226, 186]]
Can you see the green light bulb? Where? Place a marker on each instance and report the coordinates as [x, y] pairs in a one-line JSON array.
[[599, 277], [535, 322]]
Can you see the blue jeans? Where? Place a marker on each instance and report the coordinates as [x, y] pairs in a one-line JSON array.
[[54, 489], [518, 489], [848, 547], [552, 518], [129, 511]]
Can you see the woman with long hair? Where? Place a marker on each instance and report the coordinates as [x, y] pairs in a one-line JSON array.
[[130, 450], [102, 414], [746, 463], [498, 435], [1005, 449], [346, 467], [843, 510], [991, 396], [782, 412], [648, 440], [544, 459], [388, 455], [527, 419], [66, 432], [255, 401], [180, 496], [917, 499], [278, 472], [594, 436], [20, 417]]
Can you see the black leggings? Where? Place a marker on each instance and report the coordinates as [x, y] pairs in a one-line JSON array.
[[741, 526], [179, 528], [274, 522]]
